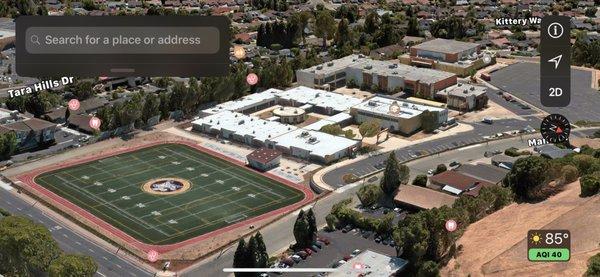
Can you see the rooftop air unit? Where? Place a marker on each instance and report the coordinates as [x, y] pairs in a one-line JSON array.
[[319, 67], [330, 64], [369, 66]]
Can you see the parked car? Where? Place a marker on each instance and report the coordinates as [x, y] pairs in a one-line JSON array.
[[348, 257], [377, 239], [318, 244], [356, 251], [392, 243], [488, 120], [308, 251], [454, 163], [324, 240], [314, 248], [366, 235], [302, 254], [296, 258]]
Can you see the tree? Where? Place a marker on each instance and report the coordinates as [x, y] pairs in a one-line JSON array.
[[342, 36], [591, 12], [590, 184], [302, 231], [429, 269], [8, 145], [371, 22], [241, 257], [82, 90], [300, 20], [413, 27], [72, 265], [312, 225], [369, 194], [429, 121], [391, 176], [252, 251], [420, 180], [326, 26], [150, 107], [26, 247], [369, 128], [262, 257], [569, 173], [527, 176], [440, 168], [593, 266]]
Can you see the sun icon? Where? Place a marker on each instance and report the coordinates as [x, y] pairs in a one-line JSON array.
[[536, 238]]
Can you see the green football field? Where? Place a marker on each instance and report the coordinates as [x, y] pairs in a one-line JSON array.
[[221, 193]]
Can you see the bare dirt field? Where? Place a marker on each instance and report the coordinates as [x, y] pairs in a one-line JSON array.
[[497, 245]]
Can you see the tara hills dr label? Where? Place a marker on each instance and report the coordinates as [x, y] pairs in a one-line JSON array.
[[43, 85]]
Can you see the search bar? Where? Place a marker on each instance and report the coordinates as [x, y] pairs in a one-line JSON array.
[[123, 40]]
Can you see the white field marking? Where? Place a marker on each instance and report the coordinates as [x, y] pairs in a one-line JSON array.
[[162, 157], [220, 182], [78, 243], [125, 197], [204, 175], [117, 166], [140, 205], [65, 235], [156, 213], [175, 163], [251, 195], [91, 250], [235, 188], [235, 175], [111, 190], [98, 184], [100, 273], [112, 206], [172, 221], [190, 168], [85, 177]]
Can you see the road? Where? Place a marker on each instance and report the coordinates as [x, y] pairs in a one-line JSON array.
[[369, 165], [109, 264], [279, 235]]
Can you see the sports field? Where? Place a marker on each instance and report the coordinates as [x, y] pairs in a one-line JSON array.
[[219, 193]]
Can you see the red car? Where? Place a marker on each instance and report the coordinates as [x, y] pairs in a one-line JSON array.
[[324, 240], [308, 251]]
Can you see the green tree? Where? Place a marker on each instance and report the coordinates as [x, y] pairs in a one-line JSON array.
[[343, 36], [301, 20], [262, 257], [369, 194], [413, 27], [590, 184], [569, 173], [429, 269], [371, 23], [429, 120], [420, 180], [150, 107], [26, 247], [440, 168], [312, 225], [326, 26], [82, 89], [252, 251], [391, 176], [70, 265], [591, 12], [527, 176], [332, 221], [302, 230], [241, 257], [593, 266], [369, 128], [8, 145]]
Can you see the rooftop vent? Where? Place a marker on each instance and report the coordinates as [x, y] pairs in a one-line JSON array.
[[312, 140], [393, 65], [241, 122], [361, 55], [459, 84], [368, 66], [472, 88], [319, 67], [304, 134], [372, 103], [330, 64], [395, 73]]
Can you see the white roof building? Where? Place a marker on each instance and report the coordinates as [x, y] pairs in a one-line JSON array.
[[335, 119], [244, 126], [309, 144], [371, 263], [395, 108], [247, 102], [319, 98]]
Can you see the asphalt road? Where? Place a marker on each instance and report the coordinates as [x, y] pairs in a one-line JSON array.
[[375, 163], [523, 81], [109, 264]]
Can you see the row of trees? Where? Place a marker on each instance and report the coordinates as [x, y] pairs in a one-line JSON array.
[[14, 8], [250, 255], [277, 5], [585, 51], [37, 103], [454, 27], [28, 249], [279, 33], [336, 130], [342, 214], [8, 145], [530, 177]]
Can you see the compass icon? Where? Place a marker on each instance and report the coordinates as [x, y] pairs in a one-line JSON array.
[[555, 128]]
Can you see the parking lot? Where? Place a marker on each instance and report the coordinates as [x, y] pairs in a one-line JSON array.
[[341, 245], [523, 81]]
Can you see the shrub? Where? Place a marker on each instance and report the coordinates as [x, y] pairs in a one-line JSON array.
[[593, 266], [369, 194], [332, 222], [569, 173], [420, 180], [590, 184], [440, 168]]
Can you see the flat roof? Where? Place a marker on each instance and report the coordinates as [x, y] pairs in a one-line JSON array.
[[245, 125], [319, 98], [448, 46], [463, 90], [244, 102], [486, 172], [335, 119], [392, 69], [317, 143], [381, 105], [462, 183], [263, 155], [335, 65], [423, 198], [373, 264]]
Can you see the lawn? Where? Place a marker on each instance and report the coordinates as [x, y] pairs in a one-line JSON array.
[[221, 193]]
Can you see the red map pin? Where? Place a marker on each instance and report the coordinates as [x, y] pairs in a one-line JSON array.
[[152, 256], [95, 123], [451, 225], [74, 104], [252, 79]]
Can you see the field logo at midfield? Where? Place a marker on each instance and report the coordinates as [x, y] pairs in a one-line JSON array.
[[166, 186]]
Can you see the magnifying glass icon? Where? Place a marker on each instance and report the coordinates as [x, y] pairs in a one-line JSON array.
[[35, 39]]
